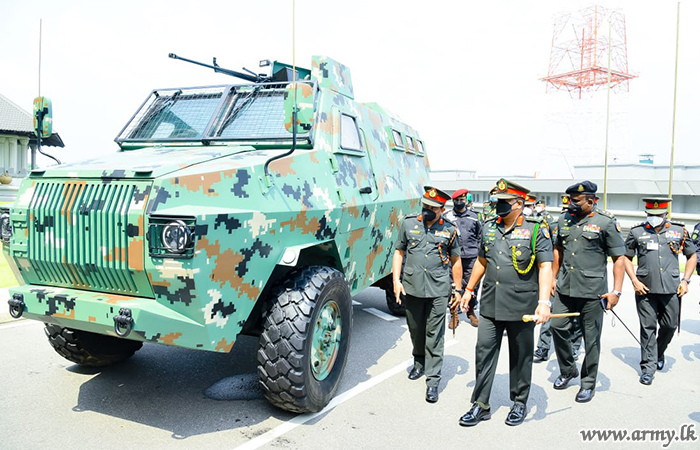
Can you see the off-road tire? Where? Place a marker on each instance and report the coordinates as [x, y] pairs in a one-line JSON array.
[[285, 348], [89, 349], [392, 305]]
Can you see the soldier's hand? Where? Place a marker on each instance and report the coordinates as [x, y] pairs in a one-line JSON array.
[[640, 288], [464, 301], [611, 299], [543, 313], [398, 290], [682, 289], [456, 300], [554, 287]]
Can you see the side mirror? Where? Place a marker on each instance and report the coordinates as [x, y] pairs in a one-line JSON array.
[[304, 105], [43, 117]]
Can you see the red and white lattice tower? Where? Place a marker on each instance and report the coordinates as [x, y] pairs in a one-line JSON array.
[[581, 43]]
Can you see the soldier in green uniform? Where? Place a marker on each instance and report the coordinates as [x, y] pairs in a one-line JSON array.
[[515, 260], [657, 243], [696, 241], [430, 244], [545, 340], [489, 210], [586, 236]]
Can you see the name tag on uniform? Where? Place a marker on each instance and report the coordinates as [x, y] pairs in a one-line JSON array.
[[651, 245], [414, 231], [521, 233]]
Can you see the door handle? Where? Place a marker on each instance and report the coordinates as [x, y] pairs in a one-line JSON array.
[[366, 190]]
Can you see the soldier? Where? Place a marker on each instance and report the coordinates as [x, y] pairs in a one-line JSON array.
[[489, 210], [528, 210], [586, 237], [430, 244], [696, 241], [469, 232], [545, 339], [515, 259], [657, 243]]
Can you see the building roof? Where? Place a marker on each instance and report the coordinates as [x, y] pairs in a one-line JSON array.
[[15, 120]]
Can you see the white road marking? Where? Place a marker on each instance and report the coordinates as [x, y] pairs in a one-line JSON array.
[[338, 400], [404, 326], [354, 303], [381, 314]]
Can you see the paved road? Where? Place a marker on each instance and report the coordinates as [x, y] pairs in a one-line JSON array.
[[172, 398]]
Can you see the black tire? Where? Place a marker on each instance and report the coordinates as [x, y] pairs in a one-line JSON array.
[[89, 349], [392, 305], [284, 355]]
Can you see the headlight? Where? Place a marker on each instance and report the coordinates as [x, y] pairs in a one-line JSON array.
[[5, 228], [176, 236]]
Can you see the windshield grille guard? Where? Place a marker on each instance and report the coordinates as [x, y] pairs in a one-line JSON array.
[[244, 112]]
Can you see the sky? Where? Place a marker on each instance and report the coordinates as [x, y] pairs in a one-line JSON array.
[[464, 74]]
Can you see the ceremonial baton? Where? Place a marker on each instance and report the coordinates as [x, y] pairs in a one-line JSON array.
[[604, 304], [535, 317]]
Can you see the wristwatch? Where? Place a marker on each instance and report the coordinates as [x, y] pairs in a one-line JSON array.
[[618, 293], [546, 302], [686, 280]]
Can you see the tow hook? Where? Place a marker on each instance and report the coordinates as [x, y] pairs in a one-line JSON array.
[[123, 322], [16, 305]]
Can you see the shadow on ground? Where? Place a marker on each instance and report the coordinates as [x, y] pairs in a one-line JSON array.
[[189, 392]]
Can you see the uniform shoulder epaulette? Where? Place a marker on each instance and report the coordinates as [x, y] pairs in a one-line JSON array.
[[680, 224], [534, 219], [492, 219], [637, 225], [412, 216], [605, 213]]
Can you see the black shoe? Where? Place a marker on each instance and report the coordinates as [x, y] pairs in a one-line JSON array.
[[416, 372], [431, 394], [660, 364], [475, 415], [646, 378], [562, 381], [585, 395], [516, 415], [541, 355]]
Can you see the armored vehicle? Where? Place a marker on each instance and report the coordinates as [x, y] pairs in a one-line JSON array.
[[249, 209]]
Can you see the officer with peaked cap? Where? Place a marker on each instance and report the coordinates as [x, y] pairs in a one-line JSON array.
[[430, 245], [586, 236], [658, 290], [696, 241], [515, 260], [469, 231]]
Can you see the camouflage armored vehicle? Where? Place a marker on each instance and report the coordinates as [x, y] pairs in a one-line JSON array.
[[219, 218]]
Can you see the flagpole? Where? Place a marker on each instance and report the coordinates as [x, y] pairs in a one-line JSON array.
[[673, 129], [607, 120]]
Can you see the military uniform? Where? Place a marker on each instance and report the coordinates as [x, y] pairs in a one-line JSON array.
[[545, 338], [510, 289], [657, 268], [696, 241], [426, 280], [582, 279], [469, 233]]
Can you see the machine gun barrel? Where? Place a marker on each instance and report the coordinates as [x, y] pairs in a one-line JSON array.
[[218, 69]]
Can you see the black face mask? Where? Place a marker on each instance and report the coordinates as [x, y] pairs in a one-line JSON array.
[[460, 205], [575, 209], [429, 215], [503, 208]]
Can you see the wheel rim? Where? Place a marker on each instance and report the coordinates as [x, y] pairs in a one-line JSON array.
[[326, 341]]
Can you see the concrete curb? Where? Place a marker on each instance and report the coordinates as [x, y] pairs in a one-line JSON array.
[[6, 317]]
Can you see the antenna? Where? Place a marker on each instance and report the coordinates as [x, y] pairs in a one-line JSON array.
[[39, 95]]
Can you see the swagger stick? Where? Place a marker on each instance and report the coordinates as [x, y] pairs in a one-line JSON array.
[[535, 317]]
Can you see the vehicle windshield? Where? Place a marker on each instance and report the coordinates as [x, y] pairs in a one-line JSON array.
[[254, 112]]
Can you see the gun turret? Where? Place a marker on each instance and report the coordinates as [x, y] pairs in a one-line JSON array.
[[253, 78]]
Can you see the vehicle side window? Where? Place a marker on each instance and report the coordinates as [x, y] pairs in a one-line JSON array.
[[421, 149], [398, 140], [411, 146], [349, 134]]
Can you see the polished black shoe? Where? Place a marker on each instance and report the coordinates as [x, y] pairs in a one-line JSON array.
[[585, 395], [416, 373], [475, 415], [562, 381], [516, 415], [541, 355], [646, 378], [660, 364], [431, 394]]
